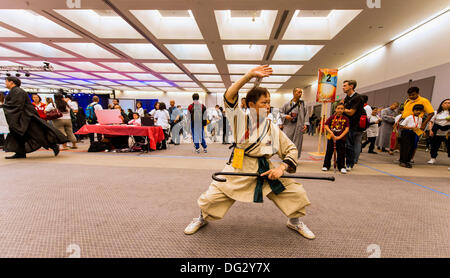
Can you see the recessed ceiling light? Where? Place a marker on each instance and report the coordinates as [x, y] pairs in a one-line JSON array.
[[86, 66], [5, 33], [202, 68], [80, 75], [244, 51], [295, 52], [163, 67], [177, 77], [208, 77], [123, 67], [40, 49], [143, 76], [88, 50], [112, 75]]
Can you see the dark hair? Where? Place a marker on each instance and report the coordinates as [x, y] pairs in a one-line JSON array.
[[418, 107], [351, 83], [162, 106], [15, 80], [413, 90], [49, 100], [156, 103], [136, 113], [40, 99], [365, 98], [440, 109], [69, 97], [138, 102], [61, 104], [95, 99], [195, 96], [254, 94], [2, 97], [339, 104], [61, 91], [118, 101], [296, 89]]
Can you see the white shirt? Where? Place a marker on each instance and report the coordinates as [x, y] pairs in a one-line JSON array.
[[152, 113], [96, 106], [412, 121], [136, 122], [372, 130], [397, 118], [368, 110], [73, 105], [140, 111], [162, 118], [441, 120], [49, 107]]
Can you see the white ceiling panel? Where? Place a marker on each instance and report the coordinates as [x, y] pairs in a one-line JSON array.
[[76, 87], [157, 83], [208, 77], [271, 86], [150, 89], [30, 81], [190, 51], [103, 24], [35, 24], [285, 69], [100, 88], [240, 68], [244, 51], [140, 50], [112, 75], [79, 82], [169, 26], [275, 78], [177, 77], [132, 83], [86, 66], [317, 25], [236, 77], [104, 82], [48, 74], [9, 63], [88, 50], [143, 76], [296, 52], [123, 67], [258, 25], [202, 68], [213, 85], [163, 67], [40, 49], [80, 75], [50, 81], [5, 52], [5, 33], [187, 84]]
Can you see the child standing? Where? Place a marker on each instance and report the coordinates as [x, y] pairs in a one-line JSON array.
[[410, 128], [372, 131], [337, 127]]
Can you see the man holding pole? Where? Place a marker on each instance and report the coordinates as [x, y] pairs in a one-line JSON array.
[[295, 119]]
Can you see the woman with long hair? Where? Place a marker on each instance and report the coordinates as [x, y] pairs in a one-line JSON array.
[[139, 109], [439, 127], [64, 124]]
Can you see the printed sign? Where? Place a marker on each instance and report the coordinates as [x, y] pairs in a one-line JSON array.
[[326, 88]]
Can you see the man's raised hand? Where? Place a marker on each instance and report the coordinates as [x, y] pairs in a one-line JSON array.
[[261, 71]]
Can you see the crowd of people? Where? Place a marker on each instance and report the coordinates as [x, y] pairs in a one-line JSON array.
[[398, 127]]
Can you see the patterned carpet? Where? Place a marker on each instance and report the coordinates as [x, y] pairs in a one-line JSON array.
[[132, 205]]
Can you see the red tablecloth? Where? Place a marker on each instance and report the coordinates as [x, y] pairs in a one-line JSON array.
[[155, 134]]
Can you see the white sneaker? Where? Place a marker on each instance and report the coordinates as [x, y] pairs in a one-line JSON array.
[[431, 161], [324, 169], [302, 229], [195, 225], [349, 169], [197, 150], [343, 171]]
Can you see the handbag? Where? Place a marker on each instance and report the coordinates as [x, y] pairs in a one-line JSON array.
[[54, 114]]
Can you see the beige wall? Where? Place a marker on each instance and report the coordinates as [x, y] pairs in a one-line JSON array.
[[421, 53]]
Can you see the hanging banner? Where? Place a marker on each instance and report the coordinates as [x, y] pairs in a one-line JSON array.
[[326, 88], [3, 124]]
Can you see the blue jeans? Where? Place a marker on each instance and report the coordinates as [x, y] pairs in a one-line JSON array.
[[353, 147], [195, 137]]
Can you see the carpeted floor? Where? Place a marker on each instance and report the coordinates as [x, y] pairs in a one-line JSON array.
[[134, 205]]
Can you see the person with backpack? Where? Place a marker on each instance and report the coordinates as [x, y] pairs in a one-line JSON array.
[[198, 123], [354, 110], [91, 118]]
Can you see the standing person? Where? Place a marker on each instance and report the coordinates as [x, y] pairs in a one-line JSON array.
[[171, 108], [198, 123], [91, 118], [354, 108], [2, 137], [214, 117], [64, 124], [439, 130], [155, 108], [387, 125], [409, 128], [162, 119], [115, 102], [295, 119], [130, 114], [258, 143], [312, 124], [372, 130], [28, 132], [139, 109], [49, 106], [176, 117], [413, 99], [337, 127], [224, 127], [39, 105]]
